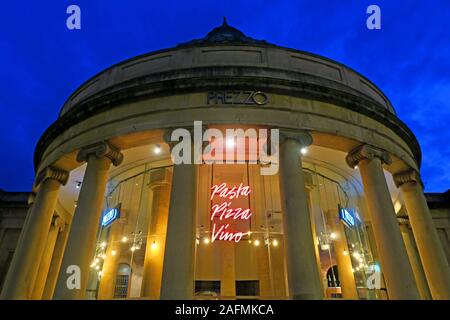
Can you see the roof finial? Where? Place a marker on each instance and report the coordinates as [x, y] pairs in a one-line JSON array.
[[224, 24]]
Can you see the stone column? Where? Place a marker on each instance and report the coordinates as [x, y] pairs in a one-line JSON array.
[[430, 249], [343, 259], [156, 233], [55, 264], [178, 270], [46, 258], [81, 244], [24, 266], [395, 265], [309, 188], [414, 259], [110, 265], [303, 276]]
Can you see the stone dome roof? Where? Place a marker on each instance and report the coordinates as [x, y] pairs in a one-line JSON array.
[[224, 34]]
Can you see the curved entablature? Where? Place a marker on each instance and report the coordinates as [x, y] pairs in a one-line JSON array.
[[206, 60], [224, 61]]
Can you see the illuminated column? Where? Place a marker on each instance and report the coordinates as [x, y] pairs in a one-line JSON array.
[[430, 249], [24, 266], [259, 218], [414, 259], [276, 248], [397, 271], [111, 263], [344, 263], [55, 264], [81, 244], [303, 276], [156, 233], [46, 258], [178, 270], [262, 254], [228, 268], [309, 185]]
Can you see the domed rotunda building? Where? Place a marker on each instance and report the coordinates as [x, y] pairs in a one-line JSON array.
[[116, 215]]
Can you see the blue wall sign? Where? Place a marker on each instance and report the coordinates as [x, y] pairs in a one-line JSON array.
[[109, 216], [347, 217]]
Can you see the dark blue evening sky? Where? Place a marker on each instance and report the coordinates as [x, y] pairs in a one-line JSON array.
[[42, 61]]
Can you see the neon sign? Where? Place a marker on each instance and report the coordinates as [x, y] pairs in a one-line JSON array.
[[346, 217], [109, 216], [222, 212]]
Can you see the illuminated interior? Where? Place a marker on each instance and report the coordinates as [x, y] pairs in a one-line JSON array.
[[247, 259]]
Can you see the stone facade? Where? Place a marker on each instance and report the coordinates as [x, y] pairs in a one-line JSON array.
[[13, 210]]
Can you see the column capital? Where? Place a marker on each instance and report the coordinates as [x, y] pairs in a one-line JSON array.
[[31, 198], [159, 178], [168, 133], [408, 176], [58, 223], [366, 151], [302, 137], [101, 149], [54, 173], [167, 137]]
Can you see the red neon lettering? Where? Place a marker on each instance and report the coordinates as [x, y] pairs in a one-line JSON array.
[[226, 235], [224, 192], [223, 211]]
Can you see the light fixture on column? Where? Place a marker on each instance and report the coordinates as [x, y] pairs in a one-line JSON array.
[[325, 239], [304, 151], [275, 242], [78, 184], [206, 240], [157, 149], [154, 245], [124, 239], [138, 244], [333, 236], [113, 253], [256, 242]]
